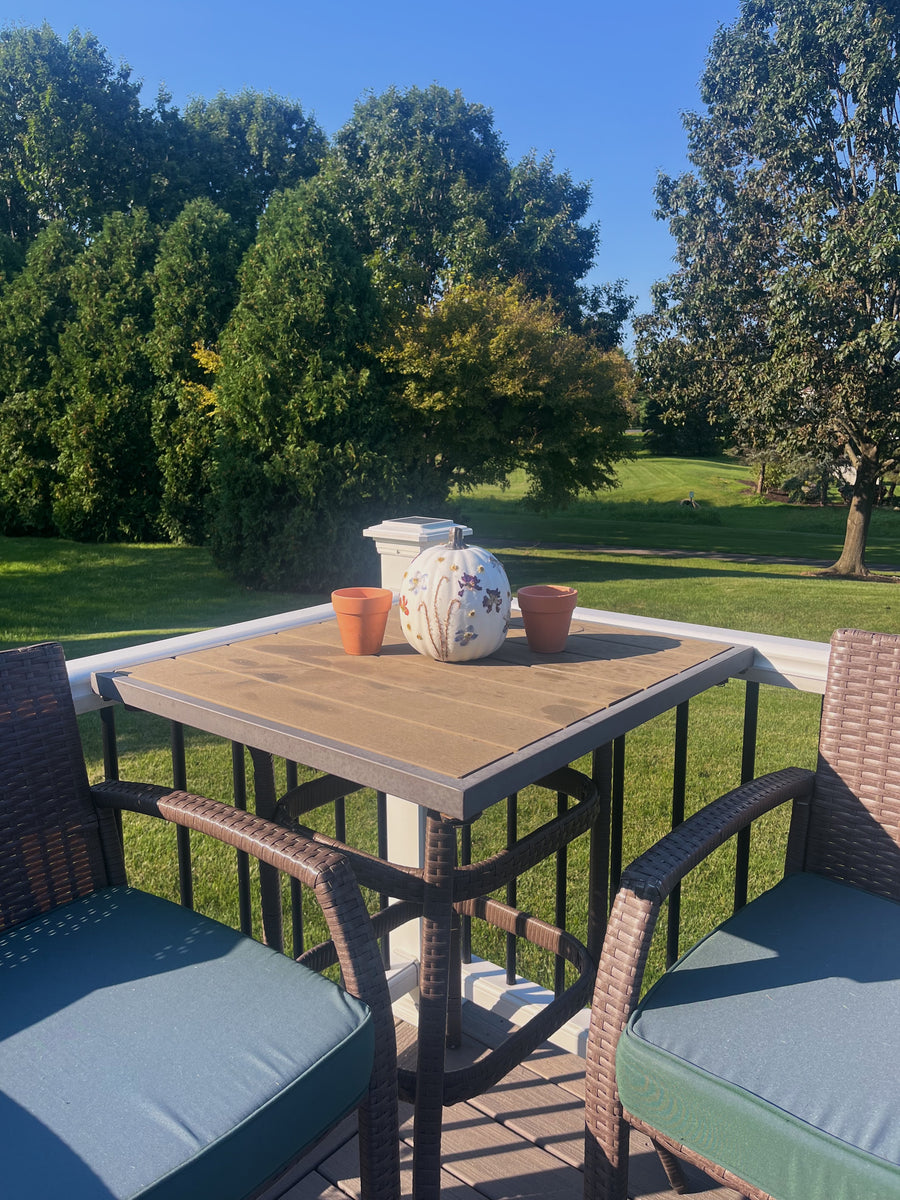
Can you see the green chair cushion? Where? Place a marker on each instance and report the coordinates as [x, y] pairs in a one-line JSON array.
[[149, 1051], [773, 1046]]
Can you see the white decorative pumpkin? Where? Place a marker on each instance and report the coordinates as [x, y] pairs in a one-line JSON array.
[[455, 602]]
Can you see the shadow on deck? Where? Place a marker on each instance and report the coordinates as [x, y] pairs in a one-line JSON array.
[[524, 1138]]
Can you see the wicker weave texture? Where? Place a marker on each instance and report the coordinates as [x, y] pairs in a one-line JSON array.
[[845, 823], [59, 840], [854, 826], [54, 847]]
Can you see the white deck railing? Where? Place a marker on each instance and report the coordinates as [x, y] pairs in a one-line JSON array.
[[780, 661]]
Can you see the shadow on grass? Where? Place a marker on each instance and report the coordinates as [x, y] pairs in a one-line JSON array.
[[525, 568]]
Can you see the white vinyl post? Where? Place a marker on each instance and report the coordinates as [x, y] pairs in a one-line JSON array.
[[398, 542]]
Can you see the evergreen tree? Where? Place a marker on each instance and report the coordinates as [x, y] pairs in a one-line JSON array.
[[12, 258], [34, 309], [195, 291], [108, 481], [305, 451]]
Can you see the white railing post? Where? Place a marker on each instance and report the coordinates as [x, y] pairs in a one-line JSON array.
[[398, 542]]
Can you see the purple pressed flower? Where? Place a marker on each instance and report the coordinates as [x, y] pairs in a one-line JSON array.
[[469, 583], [492, 599], [466, 635]]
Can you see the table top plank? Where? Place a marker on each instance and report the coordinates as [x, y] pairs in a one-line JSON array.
[[451, 728], [486, 681], [363, 714]]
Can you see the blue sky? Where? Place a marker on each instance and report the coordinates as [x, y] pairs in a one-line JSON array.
[[601, 85]]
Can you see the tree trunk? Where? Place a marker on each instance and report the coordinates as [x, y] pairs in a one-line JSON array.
[[761, 479], [852, 562]]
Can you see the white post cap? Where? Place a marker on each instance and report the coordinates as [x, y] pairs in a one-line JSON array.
[[399, 540]]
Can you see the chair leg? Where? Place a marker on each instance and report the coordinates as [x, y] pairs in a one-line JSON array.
[[606, 1166], [672, 1168]]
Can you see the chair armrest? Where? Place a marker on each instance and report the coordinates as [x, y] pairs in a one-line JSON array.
[[647, 882], [318, 867], [657, 871], [337, 892]]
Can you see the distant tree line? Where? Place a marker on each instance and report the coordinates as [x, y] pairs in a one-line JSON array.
[[216, 325]]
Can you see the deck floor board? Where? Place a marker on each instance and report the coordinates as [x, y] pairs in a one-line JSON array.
[[521, 1140]]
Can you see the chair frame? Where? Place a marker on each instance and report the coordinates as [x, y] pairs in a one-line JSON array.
[[854, 791], [55, 850]]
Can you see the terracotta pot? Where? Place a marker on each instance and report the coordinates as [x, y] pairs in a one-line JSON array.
[[547, 611], [362, 614]]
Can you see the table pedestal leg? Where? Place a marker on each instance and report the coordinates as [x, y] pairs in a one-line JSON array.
[[269, 885], [440, 862], [598, 878], [454, 985]]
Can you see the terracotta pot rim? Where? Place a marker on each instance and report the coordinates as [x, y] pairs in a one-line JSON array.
[[547, 597], [361, 599], [359, 593]]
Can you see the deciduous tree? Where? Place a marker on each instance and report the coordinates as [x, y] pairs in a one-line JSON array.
[[249, 146], [783, 317], [425, 176], [69, 123], [492, 380]]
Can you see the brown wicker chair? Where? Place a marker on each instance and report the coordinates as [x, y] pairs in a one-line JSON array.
[[769, 1055], [145, 1050]]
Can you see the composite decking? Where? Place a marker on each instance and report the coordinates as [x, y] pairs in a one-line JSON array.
[[522, 1139]]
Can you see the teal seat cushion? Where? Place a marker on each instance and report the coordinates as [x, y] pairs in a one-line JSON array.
[[148, 1051], [773, 1047]]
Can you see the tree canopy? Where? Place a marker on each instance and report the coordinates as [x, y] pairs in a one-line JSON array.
[[304, 453], [425, 177], [195, 290], [107, 486], [69, 120], [219, 326], [782, 321], [491, 381]]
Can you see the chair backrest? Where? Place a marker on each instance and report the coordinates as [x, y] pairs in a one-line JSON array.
[[54, 844], [854, 822]]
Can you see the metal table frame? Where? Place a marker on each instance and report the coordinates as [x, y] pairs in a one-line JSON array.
[[447, 799]]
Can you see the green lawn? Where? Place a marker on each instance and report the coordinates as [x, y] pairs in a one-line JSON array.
[[94, 598], [645, 511]]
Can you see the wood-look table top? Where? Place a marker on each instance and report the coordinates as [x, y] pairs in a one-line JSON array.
[[454, 737]]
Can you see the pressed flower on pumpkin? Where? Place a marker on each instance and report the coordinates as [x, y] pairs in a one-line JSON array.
[[492, 599], [468, 583]]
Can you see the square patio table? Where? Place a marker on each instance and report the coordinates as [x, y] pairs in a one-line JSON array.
[[453, 738]]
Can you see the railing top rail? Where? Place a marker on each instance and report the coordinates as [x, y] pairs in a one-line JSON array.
[[784, 662], [781, 661], [81, 669]]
